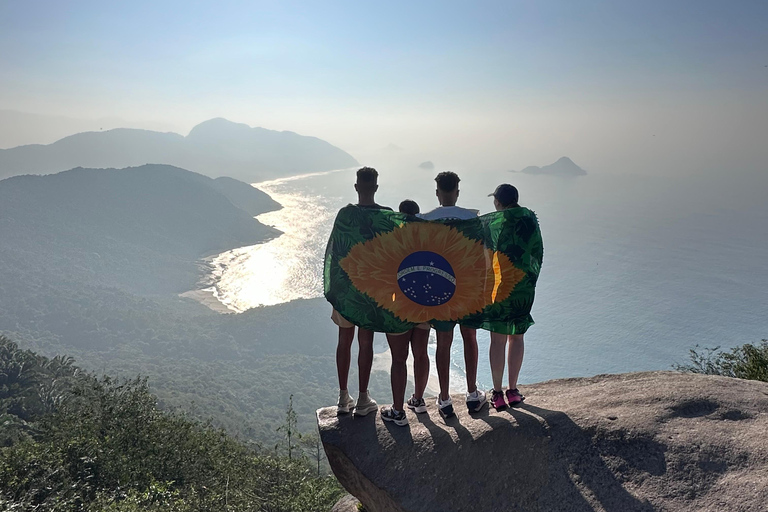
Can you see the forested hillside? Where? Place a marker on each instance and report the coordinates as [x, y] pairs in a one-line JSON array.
[[141, 229], [72, 442]]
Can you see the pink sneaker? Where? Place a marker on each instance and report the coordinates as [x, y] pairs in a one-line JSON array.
[[514, 397], [497, 400]]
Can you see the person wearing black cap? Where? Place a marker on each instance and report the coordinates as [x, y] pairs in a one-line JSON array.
[[506, 196]]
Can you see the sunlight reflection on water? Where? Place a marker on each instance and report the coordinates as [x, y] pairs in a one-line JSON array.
[[287, 267]]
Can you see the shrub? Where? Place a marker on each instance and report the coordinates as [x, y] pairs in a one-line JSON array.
[[744, 362], [106, 446]]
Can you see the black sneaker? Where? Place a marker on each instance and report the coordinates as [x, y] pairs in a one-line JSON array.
[[388, 413], [445, 408], [417, 405], [476, 400]]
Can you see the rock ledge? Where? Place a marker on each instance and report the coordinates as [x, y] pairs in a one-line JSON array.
[[640, 441]]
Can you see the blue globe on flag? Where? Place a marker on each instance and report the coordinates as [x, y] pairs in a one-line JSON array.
[[426, 278]]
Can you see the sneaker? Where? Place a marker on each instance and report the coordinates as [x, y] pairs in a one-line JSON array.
[[365, 405], [497, 400], [417, 405], [445, 408], [388, 413], [476, 400], [345, 403], [514, 397]]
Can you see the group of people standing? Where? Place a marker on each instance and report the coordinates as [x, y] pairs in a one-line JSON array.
[[504, 349]]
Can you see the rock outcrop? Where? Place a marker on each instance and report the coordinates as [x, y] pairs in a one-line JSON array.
[[630, 442]]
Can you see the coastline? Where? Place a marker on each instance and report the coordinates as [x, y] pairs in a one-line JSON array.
[[220, 273], [209, 298]]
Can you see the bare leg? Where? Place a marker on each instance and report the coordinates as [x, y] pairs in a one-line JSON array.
[[364, 357], [443, 361], [344, 355], [419, 340], [470, 356], [516, 349], [398, 346], [497, 353]]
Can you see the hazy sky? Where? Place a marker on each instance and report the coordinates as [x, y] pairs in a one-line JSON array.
[[615, 85]]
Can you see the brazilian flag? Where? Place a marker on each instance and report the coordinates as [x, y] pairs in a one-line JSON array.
[[387, 271]]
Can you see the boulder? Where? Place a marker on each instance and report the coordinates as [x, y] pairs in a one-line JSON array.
[[631, 442], [347, 503]]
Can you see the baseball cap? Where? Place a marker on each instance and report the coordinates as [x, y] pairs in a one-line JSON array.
[[505, 194]]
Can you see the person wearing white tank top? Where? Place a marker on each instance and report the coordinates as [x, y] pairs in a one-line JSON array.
[[447, 194]]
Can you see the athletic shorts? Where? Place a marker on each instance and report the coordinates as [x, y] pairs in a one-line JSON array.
[[443, 326], [423, 325], [346, 324], [340, 320]]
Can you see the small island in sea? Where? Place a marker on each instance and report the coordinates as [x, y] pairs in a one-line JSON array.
[[428, 165], [563, 167]]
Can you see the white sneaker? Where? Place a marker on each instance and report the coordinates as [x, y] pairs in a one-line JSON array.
[[445, 407], [365, 405], [476, 400], [345, 402]]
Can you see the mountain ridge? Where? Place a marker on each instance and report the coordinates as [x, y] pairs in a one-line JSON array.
[[216, 147]]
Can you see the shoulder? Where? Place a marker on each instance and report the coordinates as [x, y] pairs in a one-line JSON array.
[[450, 212], [467, 213], [430, 215], [374, 207]]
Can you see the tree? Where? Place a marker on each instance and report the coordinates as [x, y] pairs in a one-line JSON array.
[[314, 447], [289, 428]]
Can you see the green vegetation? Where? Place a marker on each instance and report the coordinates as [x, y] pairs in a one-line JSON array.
[[75, 442], [744, 362]]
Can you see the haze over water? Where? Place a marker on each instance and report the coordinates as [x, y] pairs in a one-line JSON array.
[[637, 270]]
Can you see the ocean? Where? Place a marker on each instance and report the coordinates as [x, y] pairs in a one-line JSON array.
[[637, 269]]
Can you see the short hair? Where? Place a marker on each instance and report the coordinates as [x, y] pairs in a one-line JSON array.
[[447, 181], [367, 175], [409, 206]]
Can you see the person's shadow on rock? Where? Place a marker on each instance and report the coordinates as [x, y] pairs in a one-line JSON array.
[[440, 435], [577, 472]]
